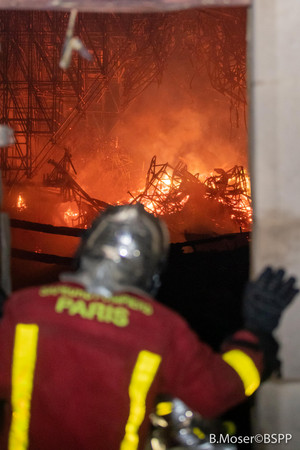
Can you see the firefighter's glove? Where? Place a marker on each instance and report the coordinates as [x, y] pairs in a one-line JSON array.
[[266, 298]]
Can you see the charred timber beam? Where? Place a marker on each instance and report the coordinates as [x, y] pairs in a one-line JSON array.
[[41, 257], [46, 228], [74, 186], [176, 249]]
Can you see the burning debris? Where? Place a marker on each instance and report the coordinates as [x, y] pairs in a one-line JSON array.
[[167, 190], [72, 193], [21, 204], [232, 188], [198, 204], [71, 215], [184, 54], [126, 53]]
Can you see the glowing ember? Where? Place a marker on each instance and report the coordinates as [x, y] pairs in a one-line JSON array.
[[70, 216], [21, 205]]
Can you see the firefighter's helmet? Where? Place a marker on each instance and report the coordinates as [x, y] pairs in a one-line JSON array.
[[126, 247]]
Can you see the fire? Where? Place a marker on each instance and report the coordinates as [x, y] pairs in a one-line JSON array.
[[160, 199], [163, 193], [167, 190], [233, 189], [70, 216], [163, 196], [21, 205]]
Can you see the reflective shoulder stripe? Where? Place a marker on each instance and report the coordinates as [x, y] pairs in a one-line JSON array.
[[142, 377], [23, 366], [245, 368], [164, 408]]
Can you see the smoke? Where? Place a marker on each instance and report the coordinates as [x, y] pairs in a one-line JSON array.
[[183, 118]]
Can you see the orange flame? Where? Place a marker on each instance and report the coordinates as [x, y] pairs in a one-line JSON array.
[[70, 216], [165, 194], [21, 205], [239, 200], [160, 192]]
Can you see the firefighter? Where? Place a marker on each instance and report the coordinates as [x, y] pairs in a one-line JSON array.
[[83, 359]]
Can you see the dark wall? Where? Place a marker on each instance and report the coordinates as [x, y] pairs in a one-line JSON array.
[[206, 288]]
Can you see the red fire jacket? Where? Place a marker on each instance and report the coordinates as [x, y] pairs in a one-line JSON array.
[[78, 371]]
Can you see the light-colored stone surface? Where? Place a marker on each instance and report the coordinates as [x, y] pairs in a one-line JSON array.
[[277, 415], [274, 72], [275, 155]]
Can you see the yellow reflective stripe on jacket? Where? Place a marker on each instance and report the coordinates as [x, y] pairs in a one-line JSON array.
[[143, 374], [245, 368], [164, 408], [23, 366]]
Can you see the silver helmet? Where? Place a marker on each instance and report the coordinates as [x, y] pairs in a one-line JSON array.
[[126, 247]]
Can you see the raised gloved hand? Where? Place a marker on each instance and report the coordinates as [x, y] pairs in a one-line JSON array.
[[266, 298]]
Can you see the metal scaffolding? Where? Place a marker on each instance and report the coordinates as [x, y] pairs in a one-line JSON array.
[[43, 103], [32, 88], [167, 190]]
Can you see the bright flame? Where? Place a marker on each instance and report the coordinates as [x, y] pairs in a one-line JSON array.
[[165, 191], [70, 216], [160, 199], [21, 205]]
